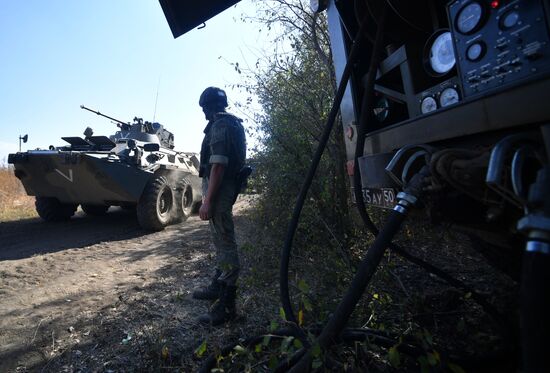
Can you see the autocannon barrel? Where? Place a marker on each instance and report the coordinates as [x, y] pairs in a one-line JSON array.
[[103, 115]]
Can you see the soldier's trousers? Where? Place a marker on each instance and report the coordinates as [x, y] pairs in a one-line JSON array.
[[222, 231]]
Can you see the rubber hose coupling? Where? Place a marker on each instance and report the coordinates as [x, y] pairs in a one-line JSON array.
[[409, 196], [405, 202]]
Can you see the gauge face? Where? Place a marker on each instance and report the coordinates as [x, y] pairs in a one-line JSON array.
[[475, 51], [509, 20], [382, 109], [428, 104], [449, 96], [469, 18], [442, 56], [317, 5]]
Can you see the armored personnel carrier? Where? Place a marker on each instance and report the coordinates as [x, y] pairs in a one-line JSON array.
[[136, 168]]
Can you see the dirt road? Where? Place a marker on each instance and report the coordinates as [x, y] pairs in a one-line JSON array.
[[99, 293]]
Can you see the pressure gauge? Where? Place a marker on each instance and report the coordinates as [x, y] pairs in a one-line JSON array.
[[449, 96], [428, 104], [509, 20], [382, 109], [439, 53], [470, 17], [476, 51], [318, 6]]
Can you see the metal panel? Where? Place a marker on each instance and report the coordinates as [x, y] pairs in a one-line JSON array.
[[371, 168], [523, 105], [185, 15], [339, 57]]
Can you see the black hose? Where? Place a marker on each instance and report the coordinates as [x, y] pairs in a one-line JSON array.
[[359, 335], [361, 279], [535, 277], [288, 363], [535, 312], [285, 252], [366, 270]]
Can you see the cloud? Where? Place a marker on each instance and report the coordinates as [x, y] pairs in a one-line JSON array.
[[5, 149]]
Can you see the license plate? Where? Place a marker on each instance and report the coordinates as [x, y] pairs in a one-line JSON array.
[[383, 197]]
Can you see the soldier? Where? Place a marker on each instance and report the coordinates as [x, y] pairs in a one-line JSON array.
[[223, 155]]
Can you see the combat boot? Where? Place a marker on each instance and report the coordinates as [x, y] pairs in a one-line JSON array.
[[224, 309], [212, 291]]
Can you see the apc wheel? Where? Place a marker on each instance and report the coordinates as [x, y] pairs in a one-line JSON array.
[[95, 210], [156, 205], [50, 209], [184, 201]]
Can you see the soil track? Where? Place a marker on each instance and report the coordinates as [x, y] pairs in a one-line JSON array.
[[25, 238], [60, 284], [102, 295]]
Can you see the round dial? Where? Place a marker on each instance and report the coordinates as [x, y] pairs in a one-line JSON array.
[[475, 51], [428, 104], [318, 5], [449, 96], [509, 20], [469, 18], [382, 109], [442, 56]]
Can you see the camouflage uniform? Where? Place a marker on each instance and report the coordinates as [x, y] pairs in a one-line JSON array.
[[224, 143]]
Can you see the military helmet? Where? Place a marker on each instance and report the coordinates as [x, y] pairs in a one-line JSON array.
[[213, 96]]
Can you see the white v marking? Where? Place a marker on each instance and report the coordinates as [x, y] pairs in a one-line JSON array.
[[70, 177]]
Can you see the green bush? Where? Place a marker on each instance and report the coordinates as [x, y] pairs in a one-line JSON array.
[[295, 90]]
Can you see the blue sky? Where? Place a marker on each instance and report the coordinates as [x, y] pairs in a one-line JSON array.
[[110, 56]]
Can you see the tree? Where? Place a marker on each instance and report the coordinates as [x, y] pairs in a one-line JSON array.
[[295, 87]]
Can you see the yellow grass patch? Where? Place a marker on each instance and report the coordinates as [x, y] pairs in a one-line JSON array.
[[14, 202]]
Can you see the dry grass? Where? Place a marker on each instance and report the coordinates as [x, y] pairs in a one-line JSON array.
[[14, 202]]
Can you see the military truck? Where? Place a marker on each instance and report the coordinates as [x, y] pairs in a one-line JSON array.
[[137, 169], [454, 93]]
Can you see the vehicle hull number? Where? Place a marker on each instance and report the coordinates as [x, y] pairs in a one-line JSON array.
[[383, 197]]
